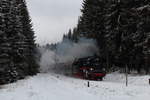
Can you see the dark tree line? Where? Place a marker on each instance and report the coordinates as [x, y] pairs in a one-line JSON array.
[[121, 29], [17, 44]]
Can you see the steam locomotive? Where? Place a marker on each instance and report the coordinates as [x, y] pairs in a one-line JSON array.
[[91, 68]]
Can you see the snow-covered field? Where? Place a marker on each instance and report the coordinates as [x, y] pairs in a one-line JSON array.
[[57, 87]]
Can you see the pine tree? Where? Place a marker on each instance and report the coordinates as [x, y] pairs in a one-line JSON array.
[[68, 36], [29, 42], [15, 51], [8, 72], [75, 35], [143, 34]]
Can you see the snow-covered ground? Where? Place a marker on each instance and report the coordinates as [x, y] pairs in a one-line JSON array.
[[57, 87]]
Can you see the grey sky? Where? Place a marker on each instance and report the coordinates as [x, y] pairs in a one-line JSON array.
[[52, 18]]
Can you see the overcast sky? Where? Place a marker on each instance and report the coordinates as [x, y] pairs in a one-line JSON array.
[[52, 18]]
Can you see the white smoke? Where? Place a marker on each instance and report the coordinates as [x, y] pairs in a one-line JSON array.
[[66, 52]]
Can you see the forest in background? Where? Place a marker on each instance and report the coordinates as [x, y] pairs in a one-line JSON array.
[[121, 29]]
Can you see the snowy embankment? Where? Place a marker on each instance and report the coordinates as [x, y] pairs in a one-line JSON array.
[[55, 87]]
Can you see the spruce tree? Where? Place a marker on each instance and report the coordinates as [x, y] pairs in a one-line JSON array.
[[15, 51], [29, 42], [75, 35]]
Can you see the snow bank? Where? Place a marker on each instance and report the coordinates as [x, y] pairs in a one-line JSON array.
[[55, 87], [43, 87]]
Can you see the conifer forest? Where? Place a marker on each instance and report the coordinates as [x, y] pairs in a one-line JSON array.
[[74, 49]]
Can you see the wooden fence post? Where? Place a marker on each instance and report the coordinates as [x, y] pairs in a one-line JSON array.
[[88, 84]]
